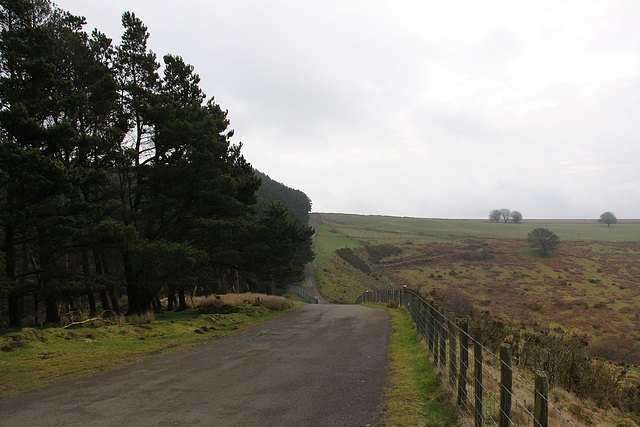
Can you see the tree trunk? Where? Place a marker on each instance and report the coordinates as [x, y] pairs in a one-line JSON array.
[[36, 308], [138, 302], [15, 317], [114, 301], [51, 306], [92, 304], [171, 298], [87, 272], [182, 300], [104, 300]]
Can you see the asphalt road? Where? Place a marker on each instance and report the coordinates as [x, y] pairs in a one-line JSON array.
[[309, 284], [322, 365]]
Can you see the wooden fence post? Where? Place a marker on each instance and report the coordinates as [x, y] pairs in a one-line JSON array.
[[477, 373], [424, 318], [541, 411], [464, 363], [436, 336], [453, 362], [430, 327], [506, 382], [444, 332]]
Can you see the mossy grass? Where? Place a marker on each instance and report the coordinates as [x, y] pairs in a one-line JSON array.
[[417, 396], [35, 357]]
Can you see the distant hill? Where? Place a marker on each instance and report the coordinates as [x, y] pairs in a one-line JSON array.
[[298, 203]]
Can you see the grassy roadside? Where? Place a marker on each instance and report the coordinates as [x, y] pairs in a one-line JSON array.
[[416, 397], [35, 357]]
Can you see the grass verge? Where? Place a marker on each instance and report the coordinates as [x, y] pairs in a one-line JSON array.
[[35, 357], [417, 396]]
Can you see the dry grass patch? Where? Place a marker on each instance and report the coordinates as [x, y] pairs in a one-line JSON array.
[[271, 302]]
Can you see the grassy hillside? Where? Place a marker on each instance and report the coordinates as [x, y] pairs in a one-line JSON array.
[[386, 227], [590, 286]]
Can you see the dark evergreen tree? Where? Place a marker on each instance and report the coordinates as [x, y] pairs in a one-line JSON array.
[[273, 191], [112, 176]]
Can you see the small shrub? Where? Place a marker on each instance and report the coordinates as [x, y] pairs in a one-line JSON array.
[[392, 303], [276, 303], [536, 306]]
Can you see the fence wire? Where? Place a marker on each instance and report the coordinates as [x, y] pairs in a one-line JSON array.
[[476, 376], [304, 294]]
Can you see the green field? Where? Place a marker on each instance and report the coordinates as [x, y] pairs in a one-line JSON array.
[[395, 228]]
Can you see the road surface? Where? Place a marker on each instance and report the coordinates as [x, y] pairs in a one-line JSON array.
[[322, 365], [309, 283]]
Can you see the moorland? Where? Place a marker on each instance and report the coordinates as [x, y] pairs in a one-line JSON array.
[[589, 286]]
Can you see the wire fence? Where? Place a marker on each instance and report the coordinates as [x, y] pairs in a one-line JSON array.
[[486, 387], [304, 294]]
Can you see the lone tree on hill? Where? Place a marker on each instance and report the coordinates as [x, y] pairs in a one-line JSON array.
[[544, 239], [516, 216], [608, 218]]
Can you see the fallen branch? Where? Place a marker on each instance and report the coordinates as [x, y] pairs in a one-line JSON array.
[[88, 320]]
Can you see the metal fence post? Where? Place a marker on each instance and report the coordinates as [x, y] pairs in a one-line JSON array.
[[506, 383]]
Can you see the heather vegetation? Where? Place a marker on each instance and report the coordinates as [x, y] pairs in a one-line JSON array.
[[572, 312]]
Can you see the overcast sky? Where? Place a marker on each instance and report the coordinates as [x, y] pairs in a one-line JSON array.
[[419, 108]]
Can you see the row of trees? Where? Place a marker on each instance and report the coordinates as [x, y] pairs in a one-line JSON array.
[[506, 215], [270, 190], [115, 179]]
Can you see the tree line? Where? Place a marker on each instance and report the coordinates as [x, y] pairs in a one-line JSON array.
[[506, 215], [118, 179], [270, 190]]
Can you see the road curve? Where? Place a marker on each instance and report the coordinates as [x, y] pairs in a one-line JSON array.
[[322, 365]]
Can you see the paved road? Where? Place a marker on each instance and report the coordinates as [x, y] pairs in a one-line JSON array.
[[322, 365], [309, 283]]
